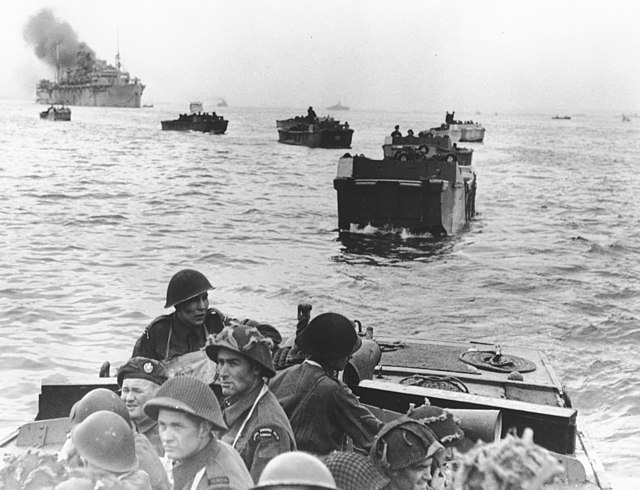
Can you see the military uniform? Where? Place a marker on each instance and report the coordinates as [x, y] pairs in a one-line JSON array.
[[322, 410], [223, 469], [167, 336], [258, 428]]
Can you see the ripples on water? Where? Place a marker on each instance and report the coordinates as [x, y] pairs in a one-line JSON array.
[[98, 213]]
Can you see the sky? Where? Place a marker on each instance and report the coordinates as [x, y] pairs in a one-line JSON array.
[[494, 56]]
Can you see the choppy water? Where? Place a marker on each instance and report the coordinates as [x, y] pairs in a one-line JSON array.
[[97, 214]]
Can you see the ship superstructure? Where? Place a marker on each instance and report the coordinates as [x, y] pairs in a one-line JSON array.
[[92, 83]]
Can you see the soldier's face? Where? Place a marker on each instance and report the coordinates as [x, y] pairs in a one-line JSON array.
[[193, 311], [182, 436], [236, 374], [135, 392]]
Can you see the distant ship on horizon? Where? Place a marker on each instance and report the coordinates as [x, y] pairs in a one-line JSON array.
[[92, 83], [338, 107]]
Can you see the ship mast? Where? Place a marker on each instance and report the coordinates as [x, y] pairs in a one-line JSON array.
[[57, 75], [118, 52]]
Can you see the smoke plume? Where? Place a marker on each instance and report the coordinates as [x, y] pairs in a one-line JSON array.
[[44, 32]]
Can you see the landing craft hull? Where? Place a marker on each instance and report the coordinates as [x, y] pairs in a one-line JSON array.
[[427, 195], [215, 127], [474, 381], [324, 138], [93, 95]]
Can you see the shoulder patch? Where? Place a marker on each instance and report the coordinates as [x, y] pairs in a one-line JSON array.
[[265, 434], [218, 480]]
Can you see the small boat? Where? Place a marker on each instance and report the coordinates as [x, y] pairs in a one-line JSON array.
[[323, 132], [491, 389], [197, 121], [433, 194], [426, 144], [626, 118], [146, 106], [56, 113], [338, 107], [561, 117], [222, 103], [465, 131]]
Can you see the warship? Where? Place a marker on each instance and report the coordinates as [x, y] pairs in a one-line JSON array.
[[92, 83]]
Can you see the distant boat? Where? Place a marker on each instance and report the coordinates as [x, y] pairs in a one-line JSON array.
[[561, 117], [56, 113], [338, 107], [147, 105], [467, 131], [323, 132], [197, 121], [625, 118], [223, 103]]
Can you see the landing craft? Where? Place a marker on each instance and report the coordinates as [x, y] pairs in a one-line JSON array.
[[491, 388]]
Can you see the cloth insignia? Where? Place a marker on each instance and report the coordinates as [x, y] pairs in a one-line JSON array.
[[264, 434]]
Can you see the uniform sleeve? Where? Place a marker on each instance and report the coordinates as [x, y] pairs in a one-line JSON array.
[[144, 347], [266, 443], [358, 421]]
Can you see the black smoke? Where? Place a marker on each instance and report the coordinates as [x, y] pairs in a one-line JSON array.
[[44, 32]]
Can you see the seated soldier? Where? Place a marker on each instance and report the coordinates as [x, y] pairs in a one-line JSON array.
[[296, 470], [105, 444], [139, 379], [177, 339], [321, 409], [258, 427], [396, 132], [102, 399], [410, 455], [188, 412]]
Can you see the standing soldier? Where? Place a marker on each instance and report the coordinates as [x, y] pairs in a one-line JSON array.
[[188, 413], [258, 426], [139, 379]]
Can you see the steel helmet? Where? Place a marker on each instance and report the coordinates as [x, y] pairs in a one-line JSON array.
[[190, 395], [329, 336], [184, 285], [105, 440], [295, 469], [246, 341], [403, 442], [95, 401]]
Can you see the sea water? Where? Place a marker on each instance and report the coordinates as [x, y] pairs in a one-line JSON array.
[[98, 213]]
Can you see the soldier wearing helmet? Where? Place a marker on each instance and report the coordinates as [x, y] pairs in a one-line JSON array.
[[177, 339], [105, 444], [322, 410], [410, 455], [139, 379], [102, 399], [188, 413], [296, 470], [258, 427]]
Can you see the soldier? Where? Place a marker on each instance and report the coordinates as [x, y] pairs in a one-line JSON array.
[[177, 339], [410, 455], [258, 426], [139, 379], [296, 470], [321, 409], [102, 399], [105, 443], [188, 412]]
